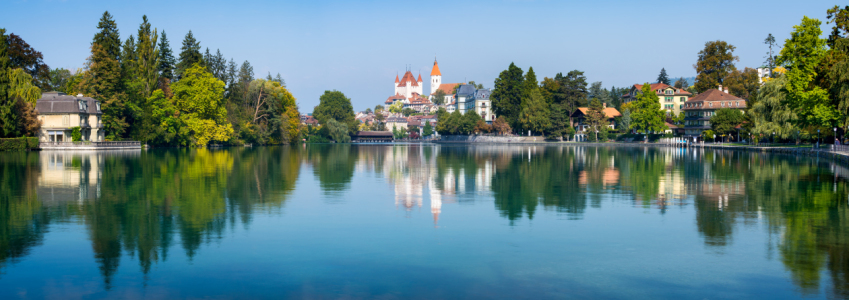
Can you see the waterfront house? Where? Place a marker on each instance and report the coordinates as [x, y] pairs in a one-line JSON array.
[[465, 98], [581, 126], [699, 109], [399, 123], [59, 113], [483, 105], [671, 99]]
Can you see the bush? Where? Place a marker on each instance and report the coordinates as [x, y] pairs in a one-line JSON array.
[[76, 135], [18, 144]]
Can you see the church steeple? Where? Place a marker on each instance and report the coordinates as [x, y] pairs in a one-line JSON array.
[[435, 70], [435, 77]]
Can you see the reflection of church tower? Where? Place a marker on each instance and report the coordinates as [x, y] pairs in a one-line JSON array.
[[435, 77], [435, 201]]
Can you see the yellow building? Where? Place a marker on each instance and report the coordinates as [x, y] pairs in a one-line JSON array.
[[671, 99], [59, 113]]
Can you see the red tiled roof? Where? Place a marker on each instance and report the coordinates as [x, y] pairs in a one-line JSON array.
[[420, 78], [721, 98], [448, 88], [408, 77], [393, 98], [610, 112], [662, 86], [396, 78]]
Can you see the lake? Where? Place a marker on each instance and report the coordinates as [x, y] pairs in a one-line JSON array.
[[423, 222]]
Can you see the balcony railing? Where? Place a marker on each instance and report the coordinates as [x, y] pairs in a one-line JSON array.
[[123, 144]]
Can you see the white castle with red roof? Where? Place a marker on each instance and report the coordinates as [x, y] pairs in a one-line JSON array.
[[408, 85]]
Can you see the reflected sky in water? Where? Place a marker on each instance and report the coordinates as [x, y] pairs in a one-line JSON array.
[[422, 221]]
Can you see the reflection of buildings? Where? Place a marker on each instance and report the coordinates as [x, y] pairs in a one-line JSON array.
[[73, 175]]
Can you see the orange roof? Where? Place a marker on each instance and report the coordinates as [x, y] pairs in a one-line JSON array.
[[396, 78], [448, 88], [662, 86], [408, 77], [435, 70], [610, 112], [420, 78]]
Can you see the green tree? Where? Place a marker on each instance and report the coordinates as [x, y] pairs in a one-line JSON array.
[[802, 54], [535, 113], [725, 121], [189, 55], [624, 122], [596, 118], [469, 121], [108, 37], [334, 105], [396, 107], [715, 61], [840, 87], [743, 84], [166, 58], [773, 112], [662, 77], [147, 58], [338, 131], [428, 129], [507, 95], [647, 116], [681, 83], [7, 119], [530, 83], [199, 97], [548, 88], [573, 92], [438, 97], [22, 55], [770, 55]]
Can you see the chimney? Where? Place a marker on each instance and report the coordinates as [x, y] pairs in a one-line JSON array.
[[726, 90], [604, 104], [719, 88]]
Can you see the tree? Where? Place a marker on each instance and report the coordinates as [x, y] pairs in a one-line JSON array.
[[548, 89], [662, 77], [743, 84], [199, 97], [407, 111], [378, 108], [334, 105], [147, 58], [681, 83], [59, 78], [531, 83], [396, 107], [476, 85], [535, 113], [596, 118], [338, 131], [22, 55], [573, 92], [840, 87], [773, 112], [7, 117], [428, 129], [559, 121], [715, 61], [189, 55], [770, 55], [624, 122], [21, 95], [507, 94], [468, 122], [802, 54], [726, 120], [501, 126], [647, 115], [368, 110], [438, 97], [166, 58], [840, 18]]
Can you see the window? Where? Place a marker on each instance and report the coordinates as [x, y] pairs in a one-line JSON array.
[[682, 99], [668, 99], [669, 92]]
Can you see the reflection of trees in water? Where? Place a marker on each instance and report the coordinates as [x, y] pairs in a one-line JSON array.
[[333, 165], [23, 221], [144, 200]]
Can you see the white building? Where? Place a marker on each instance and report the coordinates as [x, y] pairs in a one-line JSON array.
[[436, 84], [408, 85]]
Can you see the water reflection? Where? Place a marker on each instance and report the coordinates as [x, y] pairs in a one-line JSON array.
[[145, 204]]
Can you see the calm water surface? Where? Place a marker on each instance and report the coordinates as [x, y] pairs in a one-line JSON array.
[[422, 222]]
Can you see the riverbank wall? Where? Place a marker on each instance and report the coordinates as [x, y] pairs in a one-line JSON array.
[[825, 153]]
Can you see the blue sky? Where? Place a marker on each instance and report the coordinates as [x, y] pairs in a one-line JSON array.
[[358, 47]]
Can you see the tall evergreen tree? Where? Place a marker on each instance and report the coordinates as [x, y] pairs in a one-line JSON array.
[[147, 58], [573, 91], [507, 95], [109, 38], [246, 75], [531, 82], [7, 119], [189, 55], [662, 77], [128, 60], [219, 66], [166, 58], [231, 79]]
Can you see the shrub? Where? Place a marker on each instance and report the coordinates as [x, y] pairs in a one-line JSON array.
[[18, 144], [76, 135]]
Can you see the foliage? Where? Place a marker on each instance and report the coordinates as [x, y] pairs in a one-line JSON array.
[[535, 113], [18, 144], [662, 77], [573, 91], [338, 131], [59, 79], [743, 84], [500, 126], [840, 86], [802, 54], [147, 58], [438, 97], [773, 111], [22, 55], [334, 105], [507, 95], [76, 135], [189, 55], [647, 116], [726, 120], [708, 135], [559, 121], [681, 83], [166, 58], [596, 119], [428, 129], [406, 111], [715, 62], [624, 122], [199, 98]]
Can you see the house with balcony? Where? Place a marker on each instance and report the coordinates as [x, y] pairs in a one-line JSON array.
[[699, 109], [582, 128], [59, 113], [671, 99]]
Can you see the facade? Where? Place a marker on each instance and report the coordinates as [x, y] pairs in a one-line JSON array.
[[582, 128], [59, 113], [398, 123], [699, 109], [408, 85], [763, 72], [483, 105], [671, 99], [465, 98]]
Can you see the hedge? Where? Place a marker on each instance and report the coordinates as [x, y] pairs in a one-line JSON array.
[[19, 144]]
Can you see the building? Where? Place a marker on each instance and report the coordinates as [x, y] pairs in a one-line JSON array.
[[483, 105], [59, 113], [408, 85], [465, 98], [699, 109], [581, 126], [398, 123], [763, 72], [436, 84], [671, 99], [309, 120]]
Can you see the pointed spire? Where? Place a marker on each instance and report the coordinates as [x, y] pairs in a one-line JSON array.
[[435, 70], [396, 78], [420, 77]]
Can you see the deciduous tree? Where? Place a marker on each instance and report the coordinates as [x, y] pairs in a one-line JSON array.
[[725, 121], [535, 113], [647, 116], [715, 61], [334, 105], [199, 98]]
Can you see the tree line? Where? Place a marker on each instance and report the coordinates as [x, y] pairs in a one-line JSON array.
[[150, 95]]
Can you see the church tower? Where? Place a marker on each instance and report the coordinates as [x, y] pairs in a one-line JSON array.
[[435, 77]]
